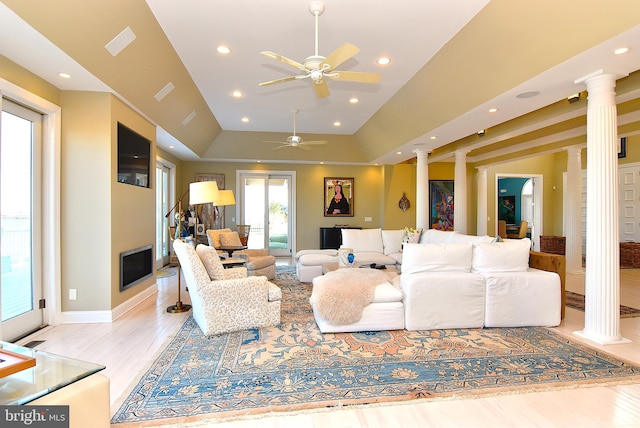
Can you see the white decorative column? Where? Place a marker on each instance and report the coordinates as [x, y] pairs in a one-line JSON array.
[[572, 215], [482, 202], [460, 192], [422, 190], [602, 276]]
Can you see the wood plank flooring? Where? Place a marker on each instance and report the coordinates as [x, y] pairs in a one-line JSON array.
[[128, 345]]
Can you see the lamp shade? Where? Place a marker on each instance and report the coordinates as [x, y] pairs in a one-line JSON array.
[[225, 197], [203, 192]]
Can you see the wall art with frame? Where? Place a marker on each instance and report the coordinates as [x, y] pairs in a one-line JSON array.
[[338, 196], [441, 204], [210, 216]]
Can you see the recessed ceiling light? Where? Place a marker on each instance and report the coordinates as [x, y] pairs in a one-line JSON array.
[[223, 50], [321, 163], [621, 51], [336, 123], [529, 94], [383, 60], [237, 94], [493, 110], [64, 75], [398, 153], [259, 161], [245, 120], [433, 137], [171, 147], [354, 100]]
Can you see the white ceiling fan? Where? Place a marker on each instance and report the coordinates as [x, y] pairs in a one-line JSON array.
[[296, 141], [318, 67]]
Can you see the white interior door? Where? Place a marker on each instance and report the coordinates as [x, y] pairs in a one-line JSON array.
[[629, 193]]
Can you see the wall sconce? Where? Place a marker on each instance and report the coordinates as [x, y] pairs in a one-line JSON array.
[[573, 98], [481, 132]]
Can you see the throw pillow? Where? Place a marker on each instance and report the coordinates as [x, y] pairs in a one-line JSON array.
[[392, 241], [511, 255], [437, 257], [211, 261], [230, 239], [363, 240], [412, 236], [213, 236]]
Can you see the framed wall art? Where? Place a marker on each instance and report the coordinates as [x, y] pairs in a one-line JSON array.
[[338, 197], [507, 209], [441, 204], [210, 216]]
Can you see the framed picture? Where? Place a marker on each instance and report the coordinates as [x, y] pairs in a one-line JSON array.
[[210, 216], [622, 147], [338, 197], [507, 209], [441, 204]]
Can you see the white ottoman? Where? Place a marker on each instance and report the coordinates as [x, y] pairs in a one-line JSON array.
[[309, 263]]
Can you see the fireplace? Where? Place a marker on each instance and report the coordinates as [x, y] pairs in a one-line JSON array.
[[135, 266]]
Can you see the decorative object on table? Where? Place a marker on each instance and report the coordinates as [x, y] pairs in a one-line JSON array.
[[12, 362], [343, 256], [351, 259], [210, 215], [243, 233], [404, 203], [338, 197], [441, 204]]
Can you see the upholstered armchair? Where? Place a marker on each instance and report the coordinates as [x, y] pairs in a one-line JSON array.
[[259, 262], [226, 300]]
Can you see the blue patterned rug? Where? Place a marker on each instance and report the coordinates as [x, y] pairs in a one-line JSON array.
[[294, 366]]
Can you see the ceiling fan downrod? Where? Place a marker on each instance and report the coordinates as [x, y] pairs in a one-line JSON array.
[[316, 8]]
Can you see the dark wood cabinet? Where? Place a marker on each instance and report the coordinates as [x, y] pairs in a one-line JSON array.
[[331, 237]]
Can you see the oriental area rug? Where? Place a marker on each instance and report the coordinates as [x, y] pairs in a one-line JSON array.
[[293, 367], [576, 301]]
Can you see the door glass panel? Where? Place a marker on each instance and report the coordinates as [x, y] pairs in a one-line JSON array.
[[279, 191], [15, 218], [254, 210], [162, 223]]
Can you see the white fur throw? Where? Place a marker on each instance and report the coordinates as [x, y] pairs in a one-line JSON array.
[[340, 296]]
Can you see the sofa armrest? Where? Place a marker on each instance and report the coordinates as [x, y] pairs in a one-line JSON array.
[[551, 263], [236, 273]]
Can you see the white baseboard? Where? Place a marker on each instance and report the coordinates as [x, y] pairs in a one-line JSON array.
[[81, 317]]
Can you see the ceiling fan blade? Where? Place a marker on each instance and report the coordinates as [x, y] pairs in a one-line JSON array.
[[355, 76], [339, 56], [321, 88], [284, 79], [314, 143], [302, 146], [281, 147], [276, 142], [283, 59]]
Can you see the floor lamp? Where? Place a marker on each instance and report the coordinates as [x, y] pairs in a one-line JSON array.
[[201, 192]]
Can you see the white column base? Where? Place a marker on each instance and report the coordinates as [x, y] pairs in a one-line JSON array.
[[602, 340]]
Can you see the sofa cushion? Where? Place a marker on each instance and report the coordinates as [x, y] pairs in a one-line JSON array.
[[368, 257], [363, 240], [435, 236], [460, 237], [511, 255], [328, 252], [437, 257], [392, 240], [211, 261], [230, 239], [313, 259], [386, 293]]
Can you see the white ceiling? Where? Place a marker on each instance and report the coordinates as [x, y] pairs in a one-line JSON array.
[[410, 33]]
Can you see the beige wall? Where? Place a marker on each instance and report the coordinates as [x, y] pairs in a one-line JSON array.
[[100, 217]]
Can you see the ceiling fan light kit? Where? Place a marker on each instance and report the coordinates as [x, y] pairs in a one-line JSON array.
[[317, 67], [296, 141]]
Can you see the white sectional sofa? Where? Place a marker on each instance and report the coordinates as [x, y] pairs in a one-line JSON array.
[[452, 280], [477, 284]]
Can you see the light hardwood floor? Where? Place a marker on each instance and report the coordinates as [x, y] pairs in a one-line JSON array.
[[128, 345]]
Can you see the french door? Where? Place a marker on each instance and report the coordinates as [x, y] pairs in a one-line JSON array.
[[267, 205], [20, 220], [162, 206]]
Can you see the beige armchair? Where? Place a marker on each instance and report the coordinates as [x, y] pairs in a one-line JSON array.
[[259, 262], [226, 300]]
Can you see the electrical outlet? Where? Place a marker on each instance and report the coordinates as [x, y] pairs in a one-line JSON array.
[[233, 219], [73, 294], [368, 219]]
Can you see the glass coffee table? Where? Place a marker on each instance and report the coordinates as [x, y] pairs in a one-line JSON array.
[[50, 373]]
